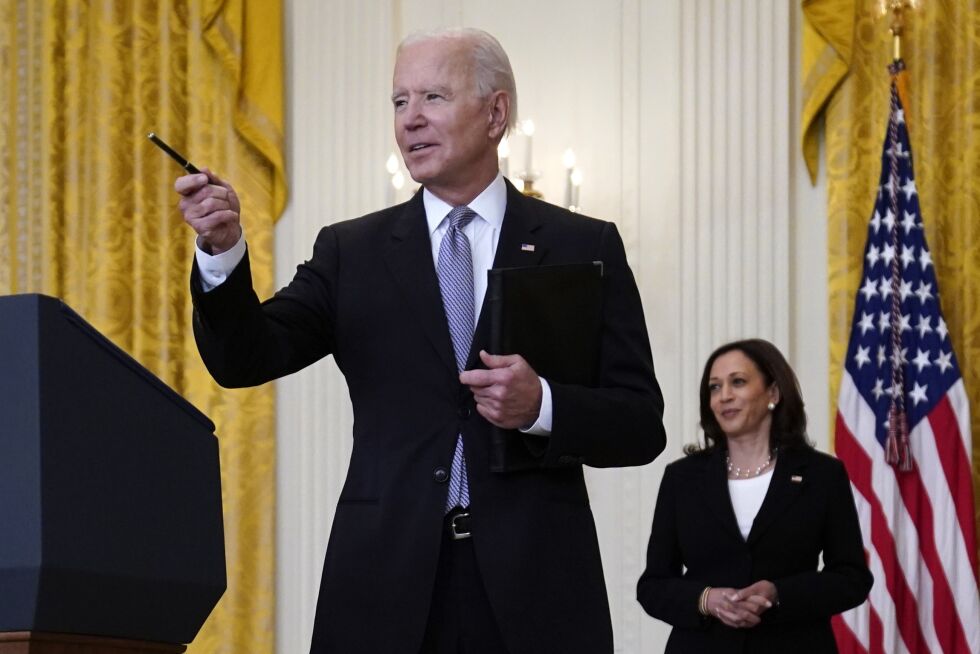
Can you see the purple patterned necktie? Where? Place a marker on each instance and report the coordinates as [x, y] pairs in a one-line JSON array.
[[455, 269]]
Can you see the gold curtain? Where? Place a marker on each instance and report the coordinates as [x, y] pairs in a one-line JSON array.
[[88, 213], [846, 50]]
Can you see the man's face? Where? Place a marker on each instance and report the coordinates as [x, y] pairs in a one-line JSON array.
[[443, 129]]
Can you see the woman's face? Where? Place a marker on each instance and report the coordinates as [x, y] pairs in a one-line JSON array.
[[739, 396]]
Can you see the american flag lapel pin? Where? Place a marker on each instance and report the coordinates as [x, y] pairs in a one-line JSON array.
[[796, 479], [527, 247]]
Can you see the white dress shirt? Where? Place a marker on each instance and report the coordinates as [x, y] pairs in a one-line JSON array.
[[483, 233]]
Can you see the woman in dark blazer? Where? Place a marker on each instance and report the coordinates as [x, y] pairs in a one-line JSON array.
[[740, 524]]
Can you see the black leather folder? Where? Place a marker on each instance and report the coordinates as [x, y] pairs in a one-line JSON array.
[[551, 316]]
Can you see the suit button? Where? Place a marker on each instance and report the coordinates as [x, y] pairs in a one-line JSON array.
[[440, 475], [464, 412]]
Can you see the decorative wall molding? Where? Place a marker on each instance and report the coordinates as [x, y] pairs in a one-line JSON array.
[[339, 57]]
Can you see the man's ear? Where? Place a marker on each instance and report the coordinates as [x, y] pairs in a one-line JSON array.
[[498, 114]]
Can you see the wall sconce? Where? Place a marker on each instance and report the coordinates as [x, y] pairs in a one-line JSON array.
[[575, 180], [503, 156], [529, 175], [396, 181], [573, 176]]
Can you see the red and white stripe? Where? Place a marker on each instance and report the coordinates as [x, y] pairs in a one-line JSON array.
[[918, 532]]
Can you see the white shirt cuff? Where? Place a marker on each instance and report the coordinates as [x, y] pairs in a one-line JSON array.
[[215, 268], [542, 426]]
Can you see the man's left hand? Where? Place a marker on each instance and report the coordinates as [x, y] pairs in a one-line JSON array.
[[508, 394]]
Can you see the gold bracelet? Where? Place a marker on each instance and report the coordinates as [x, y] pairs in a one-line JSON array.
[[703, 601]]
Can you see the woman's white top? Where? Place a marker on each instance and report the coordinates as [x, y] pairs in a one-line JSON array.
[[747, 496]]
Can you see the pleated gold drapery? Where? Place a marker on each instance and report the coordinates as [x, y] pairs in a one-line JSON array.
[[87, 212], [846, 50]]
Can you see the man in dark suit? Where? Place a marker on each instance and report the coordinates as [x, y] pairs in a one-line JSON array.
[[430, 551]]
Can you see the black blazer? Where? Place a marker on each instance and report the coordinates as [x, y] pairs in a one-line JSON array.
[[370, 297], [695, 542]]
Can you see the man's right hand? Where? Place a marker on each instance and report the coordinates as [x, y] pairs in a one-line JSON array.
[[210, 206]]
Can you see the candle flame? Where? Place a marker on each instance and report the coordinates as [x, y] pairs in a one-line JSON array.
[[392, 164]]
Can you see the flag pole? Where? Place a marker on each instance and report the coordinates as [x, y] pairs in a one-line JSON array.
[[898, 451], [899, 21], [897, 26]]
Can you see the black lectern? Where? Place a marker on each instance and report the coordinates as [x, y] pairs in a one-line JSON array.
[[110, 495]]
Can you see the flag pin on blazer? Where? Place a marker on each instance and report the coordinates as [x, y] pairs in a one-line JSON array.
[[796, 479], [527, 247]]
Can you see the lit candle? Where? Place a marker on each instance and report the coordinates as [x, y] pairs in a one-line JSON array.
[[528, 128], [391, 165], [503, 157], [576, 179], [568, 160]]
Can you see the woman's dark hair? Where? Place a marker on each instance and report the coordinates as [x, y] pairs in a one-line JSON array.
[[788, 418]]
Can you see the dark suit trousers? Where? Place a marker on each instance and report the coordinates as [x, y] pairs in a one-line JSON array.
[[461, 620]]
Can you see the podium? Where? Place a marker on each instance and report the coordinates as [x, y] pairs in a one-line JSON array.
[[111, 536]]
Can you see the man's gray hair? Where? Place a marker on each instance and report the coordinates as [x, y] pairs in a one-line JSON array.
[[491, 67]]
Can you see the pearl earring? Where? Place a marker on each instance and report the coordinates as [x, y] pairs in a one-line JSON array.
[[771, 406]]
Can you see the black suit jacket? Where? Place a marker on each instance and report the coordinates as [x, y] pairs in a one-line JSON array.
[[695, 542], [370, 297]]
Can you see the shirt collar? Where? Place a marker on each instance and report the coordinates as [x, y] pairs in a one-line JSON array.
[[489, 205]]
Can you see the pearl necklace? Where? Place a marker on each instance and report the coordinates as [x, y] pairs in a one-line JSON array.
[[748, 472]]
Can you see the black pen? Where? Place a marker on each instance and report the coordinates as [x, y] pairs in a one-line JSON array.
[[176, 156]]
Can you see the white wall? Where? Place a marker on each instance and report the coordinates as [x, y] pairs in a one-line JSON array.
[[681, 113], [809, 322]]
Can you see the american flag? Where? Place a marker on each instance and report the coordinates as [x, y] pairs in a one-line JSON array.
[[903, 432]]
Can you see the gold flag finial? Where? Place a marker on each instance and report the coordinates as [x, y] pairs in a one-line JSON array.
[[897, 9]]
